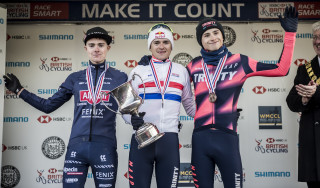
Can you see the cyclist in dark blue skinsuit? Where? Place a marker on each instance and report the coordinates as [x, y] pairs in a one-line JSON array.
[[93, 140]]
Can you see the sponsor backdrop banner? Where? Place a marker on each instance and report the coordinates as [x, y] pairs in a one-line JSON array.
[[42, 56], [115, 11], [3, 31]]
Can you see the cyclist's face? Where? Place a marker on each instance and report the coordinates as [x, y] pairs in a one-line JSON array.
[[316, 42], [212, 39], [161, 48], [97, 50]]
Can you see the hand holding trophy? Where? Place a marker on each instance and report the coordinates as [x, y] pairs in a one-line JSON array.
[[128, 103]]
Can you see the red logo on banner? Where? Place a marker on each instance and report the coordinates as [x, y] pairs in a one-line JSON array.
[[259, 90], [176, 36], [4, 148], [55, 59], [266, 31], [270, 140], [180, 146], [44, 119], [126, 175], [131, 63], [8, 37], [300, 62], [86, 96], [52, 170], [308, 9], [49, 11]]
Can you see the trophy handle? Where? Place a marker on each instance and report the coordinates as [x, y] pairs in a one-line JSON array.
[[106, 94], [144, 87]]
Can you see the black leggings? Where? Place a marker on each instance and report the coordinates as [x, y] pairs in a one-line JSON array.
[[163, 155], [313, 184]]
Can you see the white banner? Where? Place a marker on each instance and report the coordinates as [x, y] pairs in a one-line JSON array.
[[269, 153]]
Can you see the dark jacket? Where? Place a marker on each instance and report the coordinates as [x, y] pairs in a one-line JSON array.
[[309, 132], [84, 123]]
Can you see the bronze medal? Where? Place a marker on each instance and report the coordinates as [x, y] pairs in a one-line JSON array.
[[212, 97]]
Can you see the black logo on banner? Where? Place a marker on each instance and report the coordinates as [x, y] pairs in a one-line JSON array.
[[53, 147], [270, 117], [182, 58], [230, 35], [10, 176]]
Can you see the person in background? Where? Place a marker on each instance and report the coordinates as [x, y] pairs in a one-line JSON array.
[[218, 76], [93, 139], [304, 97], [167, 86]]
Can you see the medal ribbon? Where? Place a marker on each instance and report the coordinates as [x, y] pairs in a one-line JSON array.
[[95, 92], [156, 79], [211, 83]]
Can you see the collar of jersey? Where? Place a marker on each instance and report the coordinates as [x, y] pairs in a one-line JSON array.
[[100, 65], [155, 60]]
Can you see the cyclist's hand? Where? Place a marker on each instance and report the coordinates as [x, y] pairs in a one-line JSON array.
[[137, 121], [12, 83], [289, 21]]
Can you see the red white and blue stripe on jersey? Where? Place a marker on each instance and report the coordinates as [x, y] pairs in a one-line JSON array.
[[167, 96]]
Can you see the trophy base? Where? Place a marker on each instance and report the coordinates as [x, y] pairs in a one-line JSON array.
[[147, 134]]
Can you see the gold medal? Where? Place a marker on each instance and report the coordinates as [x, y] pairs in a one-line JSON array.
[[212, 97]]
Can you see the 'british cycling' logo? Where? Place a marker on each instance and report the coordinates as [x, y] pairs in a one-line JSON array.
[[271, 145]]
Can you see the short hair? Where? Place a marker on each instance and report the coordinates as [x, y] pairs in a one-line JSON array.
[[316, 26]]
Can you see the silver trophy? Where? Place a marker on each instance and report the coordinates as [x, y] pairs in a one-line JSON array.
[[128, 103]]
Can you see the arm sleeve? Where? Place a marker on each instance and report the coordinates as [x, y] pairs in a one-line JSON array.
[[189, 70], [52, 103], [187, 97], [274, 70]]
